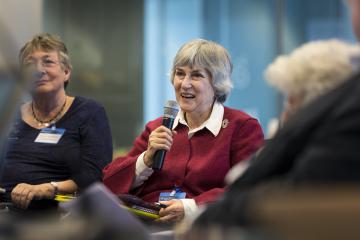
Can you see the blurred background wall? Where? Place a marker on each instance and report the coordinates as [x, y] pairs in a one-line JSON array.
[[105, 40], [122, 50]]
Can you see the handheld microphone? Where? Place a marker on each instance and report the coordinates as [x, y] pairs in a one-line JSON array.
[[171, 109]]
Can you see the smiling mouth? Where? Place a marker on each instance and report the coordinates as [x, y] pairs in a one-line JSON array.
[[40, 82], [187, 95]]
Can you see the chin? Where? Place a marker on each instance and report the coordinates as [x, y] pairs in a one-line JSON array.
[[186, 107], [42, 90]]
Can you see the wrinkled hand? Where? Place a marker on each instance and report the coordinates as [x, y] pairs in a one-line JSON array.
[[160, 138], [23, 193], [173, 212]]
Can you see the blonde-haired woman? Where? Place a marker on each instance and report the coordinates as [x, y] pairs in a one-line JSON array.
[[59, 143]]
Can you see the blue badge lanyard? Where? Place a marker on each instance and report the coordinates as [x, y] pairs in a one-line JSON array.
[[176, 193], [176, 190]]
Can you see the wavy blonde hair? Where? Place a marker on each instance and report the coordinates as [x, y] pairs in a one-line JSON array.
[[313, 69], [47, 42]]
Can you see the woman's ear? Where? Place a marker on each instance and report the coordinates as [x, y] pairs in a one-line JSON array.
[[67, 73]]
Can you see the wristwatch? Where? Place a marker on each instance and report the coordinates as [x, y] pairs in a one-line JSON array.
[[56, 188]]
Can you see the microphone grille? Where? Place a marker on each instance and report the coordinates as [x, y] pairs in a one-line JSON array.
[[171, 109]]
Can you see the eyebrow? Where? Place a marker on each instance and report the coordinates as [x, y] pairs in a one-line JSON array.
[[192, 71], [198, 71], [45, 56]]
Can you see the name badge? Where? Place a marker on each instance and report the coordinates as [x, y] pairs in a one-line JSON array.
[[167, 196], [50, 135]]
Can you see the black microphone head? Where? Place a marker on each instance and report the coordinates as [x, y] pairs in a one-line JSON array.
[[171, 109]]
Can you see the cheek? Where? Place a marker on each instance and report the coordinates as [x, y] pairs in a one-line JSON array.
[[60, 76], [209, 91], [55, 74], [177, 86]]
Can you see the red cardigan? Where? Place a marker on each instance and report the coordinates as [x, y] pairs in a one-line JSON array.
[[198, 165]]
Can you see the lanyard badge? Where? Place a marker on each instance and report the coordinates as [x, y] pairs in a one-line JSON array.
[[174, 194], [50, 135]]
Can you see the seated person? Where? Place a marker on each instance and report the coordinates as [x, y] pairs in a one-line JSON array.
[[206, 140], [311, 71], [317, 145], [305, 74], [59, 143]]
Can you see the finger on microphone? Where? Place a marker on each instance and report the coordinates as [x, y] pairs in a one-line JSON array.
[[166, 135], [167, 130]]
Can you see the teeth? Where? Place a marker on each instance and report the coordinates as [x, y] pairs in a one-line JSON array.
[[187, 95]]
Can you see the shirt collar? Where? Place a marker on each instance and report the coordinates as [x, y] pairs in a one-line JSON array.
[[213, 124]]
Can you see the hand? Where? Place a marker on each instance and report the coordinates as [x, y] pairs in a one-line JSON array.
[[173, 212], [160, 138], [23, 193]]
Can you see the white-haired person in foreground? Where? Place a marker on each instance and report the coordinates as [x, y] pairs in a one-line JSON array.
[[305, 74], [317, 146], [310, 71]]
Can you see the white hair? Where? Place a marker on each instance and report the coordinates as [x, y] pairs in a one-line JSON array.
[[313, 69]]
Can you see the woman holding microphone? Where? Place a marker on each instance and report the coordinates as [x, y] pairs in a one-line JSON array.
[[206, 139]]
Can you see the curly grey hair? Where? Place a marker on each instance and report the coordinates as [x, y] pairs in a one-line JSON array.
[[312, 69], [211, 56]]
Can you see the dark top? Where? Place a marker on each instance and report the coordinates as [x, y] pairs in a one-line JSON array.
[[319, 145], [80, 155]]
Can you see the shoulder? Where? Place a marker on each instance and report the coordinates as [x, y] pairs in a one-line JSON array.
[[86, 106], [85, 110], [237, 115], [246, 131], [240, 121], [89, 104]]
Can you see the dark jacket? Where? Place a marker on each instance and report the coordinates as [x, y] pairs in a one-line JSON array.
[[319, 145]]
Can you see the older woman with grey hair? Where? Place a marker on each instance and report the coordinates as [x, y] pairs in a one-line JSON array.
[[206, 140], [59, 143], [310, 71]]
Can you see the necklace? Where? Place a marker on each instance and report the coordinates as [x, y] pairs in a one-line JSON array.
[[51, 121]]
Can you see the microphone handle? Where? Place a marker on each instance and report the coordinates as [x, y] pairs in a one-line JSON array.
[[159, 155], [159, 159], [168, 122]]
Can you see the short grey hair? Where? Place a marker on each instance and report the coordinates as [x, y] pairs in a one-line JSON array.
[[211, 56], [313, 69]]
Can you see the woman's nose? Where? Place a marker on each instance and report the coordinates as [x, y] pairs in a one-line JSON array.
[[39, 67], [34, 71], [37, 74], [38, 70], [186, 83]]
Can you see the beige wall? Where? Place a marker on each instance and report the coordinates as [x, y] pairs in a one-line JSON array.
[[19, 21]]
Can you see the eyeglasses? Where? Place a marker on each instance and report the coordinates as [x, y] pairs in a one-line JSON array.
[[46, 63]]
